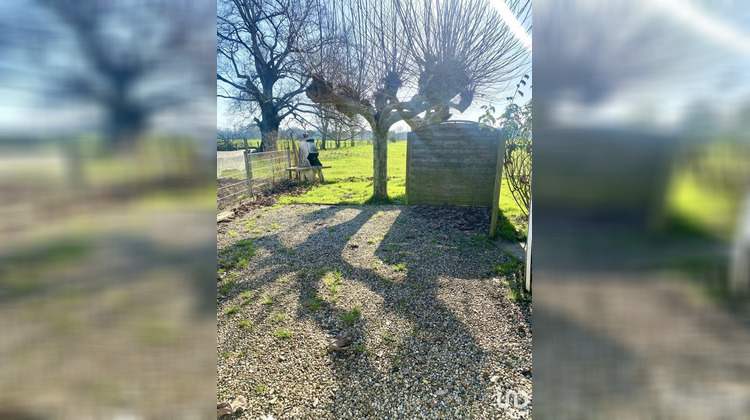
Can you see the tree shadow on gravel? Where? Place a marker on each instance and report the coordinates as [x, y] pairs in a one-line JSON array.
[[440, 353]]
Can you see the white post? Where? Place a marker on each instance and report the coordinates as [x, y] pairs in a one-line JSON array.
[[528, 251]]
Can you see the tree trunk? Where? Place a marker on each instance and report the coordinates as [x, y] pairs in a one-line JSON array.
[[268, 140], [380, 163]]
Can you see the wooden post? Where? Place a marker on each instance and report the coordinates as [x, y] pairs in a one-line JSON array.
[[289, 162], [273, 170], [498, 182], [249, 171]]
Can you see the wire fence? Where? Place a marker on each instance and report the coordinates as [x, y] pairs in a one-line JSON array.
[[244, 175]]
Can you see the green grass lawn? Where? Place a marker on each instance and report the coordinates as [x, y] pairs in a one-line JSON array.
[[702, 207], [349, 181]]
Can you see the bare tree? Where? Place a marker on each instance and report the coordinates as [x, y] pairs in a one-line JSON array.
[[321, 121], [331, 124], [119, 63], [411, 61], [256, 58]]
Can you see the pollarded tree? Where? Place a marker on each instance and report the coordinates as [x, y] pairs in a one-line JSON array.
[[257, 64], [411, 61]]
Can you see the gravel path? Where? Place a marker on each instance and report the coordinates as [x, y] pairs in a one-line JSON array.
[[435, 332]]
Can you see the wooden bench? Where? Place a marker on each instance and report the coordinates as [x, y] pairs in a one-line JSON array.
[[316, 170]]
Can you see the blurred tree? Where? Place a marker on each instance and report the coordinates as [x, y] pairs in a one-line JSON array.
[[129, 62]]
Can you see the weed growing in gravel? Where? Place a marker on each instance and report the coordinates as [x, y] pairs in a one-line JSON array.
[[385, 280], [360, 348], [402, 254], [313, 304], [398, 361], [515, 295], [227, 285], [247, 295], [232, 233], [385, 259], [390, 248], [274, 226], [509, 268], [249, 225], [481, 240], [279, 318], [282, 280], [352, 316], [331, 229], [237, 255], [320, 272], [370, 241], [337, 274], [225, 288], [243, 324], [302, 273], [283, 333], [378, 214], [387, 336], [221, 271], [399, 267], [225, 355], [376, 265], [349, 238], [433, 240], [260, 389], [244, 245], [233, 310], [267, 300], [333, 285], [403, 304]]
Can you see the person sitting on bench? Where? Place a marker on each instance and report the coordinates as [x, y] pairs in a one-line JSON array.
[[303, 151], [312, 152]]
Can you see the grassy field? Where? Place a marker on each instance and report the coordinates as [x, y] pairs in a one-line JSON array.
[[708, 201], [283, 143], [349, 181]]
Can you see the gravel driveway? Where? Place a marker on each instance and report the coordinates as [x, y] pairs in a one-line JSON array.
[[435, 331]]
